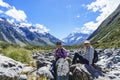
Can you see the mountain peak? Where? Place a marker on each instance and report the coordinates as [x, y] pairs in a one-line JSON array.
[[75, 38], [25, 34]]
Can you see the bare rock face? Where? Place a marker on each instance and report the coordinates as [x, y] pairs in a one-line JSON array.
[[62, 69], [110, 63], [9, 68], [23, 77], [77, 72], [44, 71], [107, 68]]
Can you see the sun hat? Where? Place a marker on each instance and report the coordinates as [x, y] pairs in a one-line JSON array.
[[86, 42]]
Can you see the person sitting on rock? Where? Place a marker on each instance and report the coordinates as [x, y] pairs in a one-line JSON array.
[[88, 57], [60, 52]]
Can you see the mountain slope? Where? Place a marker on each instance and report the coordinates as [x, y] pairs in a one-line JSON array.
[[16, 34], [108, 33], [75, 38], [9, 34]]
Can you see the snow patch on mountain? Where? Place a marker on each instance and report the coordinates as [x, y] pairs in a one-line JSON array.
[[79, 37], [25, 33], [75, 38], [35, 27], [1, 19], [17, 40], [6, 39]]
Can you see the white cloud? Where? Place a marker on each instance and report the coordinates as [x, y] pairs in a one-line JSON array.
[[40, 28], [91, 25], [12, 12], [81, 30], [1, 11], [105, 7], [78, 16], [19, 15], [4, 4]]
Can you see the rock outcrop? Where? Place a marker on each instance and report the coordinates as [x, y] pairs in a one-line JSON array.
[[107, 68], [78, 72], [9, 68], [110, 63]]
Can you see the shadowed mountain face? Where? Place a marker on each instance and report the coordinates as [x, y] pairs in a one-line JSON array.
[[9, 34], [108, 33], [16, 34]]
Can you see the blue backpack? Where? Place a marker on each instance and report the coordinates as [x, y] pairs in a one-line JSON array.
[[95, 59]]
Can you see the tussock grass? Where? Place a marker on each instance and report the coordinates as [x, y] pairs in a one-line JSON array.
[[18, 54], [24, 53]]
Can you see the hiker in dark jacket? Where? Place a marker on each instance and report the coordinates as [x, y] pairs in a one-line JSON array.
[[87, 58]]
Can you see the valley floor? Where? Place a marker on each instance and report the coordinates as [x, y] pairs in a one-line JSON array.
[[109, 64]]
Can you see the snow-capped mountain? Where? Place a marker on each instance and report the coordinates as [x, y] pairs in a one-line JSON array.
[[25, 34], [9, 34], [75, 38]]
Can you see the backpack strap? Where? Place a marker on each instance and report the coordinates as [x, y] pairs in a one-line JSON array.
[[95, 59]]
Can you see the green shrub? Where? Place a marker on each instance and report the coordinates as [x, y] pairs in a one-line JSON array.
[[18, 54]]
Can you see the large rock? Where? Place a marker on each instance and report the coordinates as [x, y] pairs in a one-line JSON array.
[[44, 71], [77, 72], [110, 63], [62, 66], [107, 68], [27, 70], [86, 72], [9, 68], [23, 77]]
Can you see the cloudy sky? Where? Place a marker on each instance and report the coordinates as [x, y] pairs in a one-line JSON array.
[[59, 17]]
